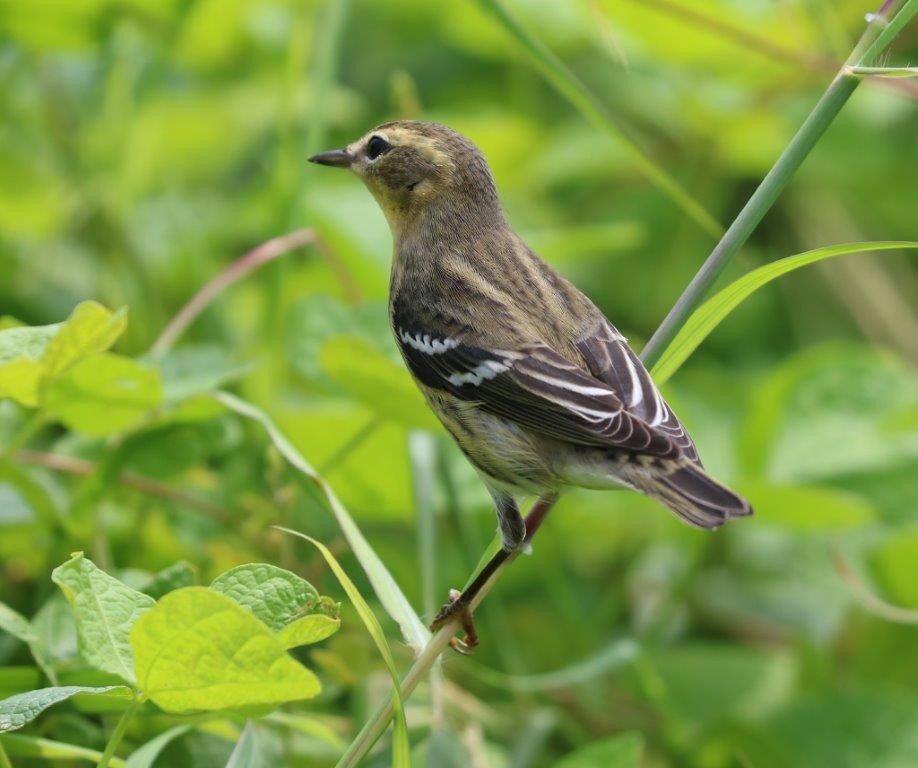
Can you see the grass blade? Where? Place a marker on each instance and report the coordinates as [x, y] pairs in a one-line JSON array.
[[572, 89], [400, 745], [390, 595], [709, 315]]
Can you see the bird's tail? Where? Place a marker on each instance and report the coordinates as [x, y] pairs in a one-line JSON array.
[[692, 494]]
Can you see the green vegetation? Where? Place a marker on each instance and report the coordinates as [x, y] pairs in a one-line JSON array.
[[196, 375]]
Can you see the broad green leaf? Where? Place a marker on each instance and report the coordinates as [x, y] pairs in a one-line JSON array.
[[16, 624], [31, 358], [104, 394], [199, 650], [401, 749], [145, 755], [23, 708], [895, 563], [316, 319], [807, 508], [21, 370], [275, 595], [104, 610], [91, 328], [707, 682], [289, 605], [622, 751], [193, 370], [308, 630], [827, 412], [847, 729], [18, 679], [387, 590], [21, 628], [709, 315], [180, 574], [374, 379]]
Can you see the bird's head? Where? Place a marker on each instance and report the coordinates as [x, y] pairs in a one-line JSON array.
[[415, 168]]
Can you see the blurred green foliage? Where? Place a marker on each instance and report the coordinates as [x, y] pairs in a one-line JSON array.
[[146, 145]]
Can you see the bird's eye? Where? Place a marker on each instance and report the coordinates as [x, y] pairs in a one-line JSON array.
[[376, 146]]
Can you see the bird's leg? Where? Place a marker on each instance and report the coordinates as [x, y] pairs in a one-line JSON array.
[[515, 532]]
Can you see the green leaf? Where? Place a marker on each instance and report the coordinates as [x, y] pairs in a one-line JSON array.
[[401, 749], [371, 377], [850, 729], [193, 370], [21, 628], [31, 358], [895, 563], [622, 751], [387, 590], [316, 319], [275, 595], [23, 708], [104, 394], [180, 574], [199, 650], [289, 605], [20, 361], [104, 610], [709, 315], [16, 624], [807, 508], [145, 755], [308, 630]]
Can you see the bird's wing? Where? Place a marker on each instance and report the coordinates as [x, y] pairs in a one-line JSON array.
[[612, 361], [534, 387]]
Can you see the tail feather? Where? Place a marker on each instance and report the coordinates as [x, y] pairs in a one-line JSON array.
[[693, 495]]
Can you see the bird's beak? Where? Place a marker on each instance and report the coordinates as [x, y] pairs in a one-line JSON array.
[[339, 158]]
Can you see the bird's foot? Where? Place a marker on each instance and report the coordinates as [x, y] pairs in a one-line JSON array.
[[457, 606]]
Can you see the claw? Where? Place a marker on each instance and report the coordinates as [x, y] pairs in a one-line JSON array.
[[457, 606]]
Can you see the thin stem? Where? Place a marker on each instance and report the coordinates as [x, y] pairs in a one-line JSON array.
[[773, 184], [243, 266], [118, 733], [75, 466]]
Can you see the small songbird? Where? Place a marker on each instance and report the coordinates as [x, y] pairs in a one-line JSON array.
[[537, 387]]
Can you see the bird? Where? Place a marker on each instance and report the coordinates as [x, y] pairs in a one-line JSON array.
[[536, 386]]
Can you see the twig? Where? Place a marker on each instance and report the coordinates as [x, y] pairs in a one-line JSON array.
[[118, 734], [243, 266], [74, 466]]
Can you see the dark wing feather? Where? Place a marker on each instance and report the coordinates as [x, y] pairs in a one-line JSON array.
[[534, 387], [611, 360]]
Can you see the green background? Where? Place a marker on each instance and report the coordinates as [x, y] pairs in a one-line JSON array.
[[145, 145]]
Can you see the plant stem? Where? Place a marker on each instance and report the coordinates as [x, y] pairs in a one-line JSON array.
[[118, 733], [764, 197], [244, 265]]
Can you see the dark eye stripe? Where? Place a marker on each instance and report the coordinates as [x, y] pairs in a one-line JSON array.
[[376, 146]]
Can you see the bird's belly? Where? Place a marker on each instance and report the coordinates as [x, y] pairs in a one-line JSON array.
[[506, 453]]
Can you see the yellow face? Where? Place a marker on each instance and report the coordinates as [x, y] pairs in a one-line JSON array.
[[405, 165]]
